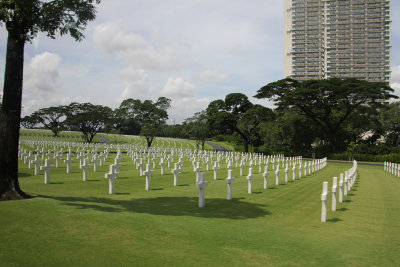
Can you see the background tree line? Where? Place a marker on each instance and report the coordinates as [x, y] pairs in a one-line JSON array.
[[311, 118]]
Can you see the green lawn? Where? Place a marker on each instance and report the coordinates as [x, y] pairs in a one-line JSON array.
[[76, 223]]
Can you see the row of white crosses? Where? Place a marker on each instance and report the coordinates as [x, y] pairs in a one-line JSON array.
[[35, 160], [84, 165], [314, 166], [392, 168], [346, 182]]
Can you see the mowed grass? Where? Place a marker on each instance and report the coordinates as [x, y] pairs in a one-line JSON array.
[[76, 223]]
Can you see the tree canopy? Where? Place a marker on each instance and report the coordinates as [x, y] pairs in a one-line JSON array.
[[88, 118], [328, 103], [23, 19], [238, 115]]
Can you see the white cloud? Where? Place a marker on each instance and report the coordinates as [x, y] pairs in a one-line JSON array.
[[137, 84], [177, 87], [134, 49], [395, 80], [395, 74], [42, 72], [396, 87], [209, 76], [185, 107]]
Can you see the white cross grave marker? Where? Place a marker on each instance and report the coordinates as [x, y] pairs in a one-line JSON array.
[[250, 178], [85, 166], [201, 185], [37, 162], [47, 168], [68, 161], [112, 175], [176, 172], [197, 170], [277, 176], [265, 175], [341, 188], [229, 182], [334, 188], [148, 174], [324, 199]]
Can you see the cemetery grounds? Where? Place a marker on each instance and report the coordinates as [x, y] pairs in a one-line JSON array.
[[76, 223]]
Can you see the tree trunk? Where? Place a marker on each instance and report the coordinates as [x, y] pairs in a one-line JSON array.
[[10, 117]]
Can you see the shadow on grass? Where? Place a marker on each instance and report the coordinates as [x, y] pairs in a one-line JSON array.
[[334, 220], [22, 174], [342, 209], [170, 206]]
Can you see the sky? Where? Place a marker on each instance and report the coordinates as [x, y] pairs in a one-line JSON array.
[[191, 51]]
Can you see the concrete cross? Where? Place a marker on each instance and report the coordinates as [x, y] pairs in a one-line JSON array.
[[85, 166], [324, 199], [162, 164], [47, 168], [277, 177], [294, 171], [201, 185], [229, 182], [334, 188], [241, 167], [57, 157], [111, 176], [250, 178], [148, 174], [215, 168], [36, 162], [176, 171], [68, 161], [197, 170], [286, 173], [265, 175], [95, 160]]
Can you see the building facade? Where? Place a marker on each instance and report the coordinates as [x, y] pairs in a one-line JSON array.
[[337, 38]]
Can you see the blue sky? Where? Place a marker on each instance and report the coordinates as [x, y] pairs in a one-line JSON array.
[[192, 51]]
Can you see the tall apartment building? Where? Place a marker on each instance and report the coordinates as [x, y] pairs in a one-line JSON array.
[[337, 38]]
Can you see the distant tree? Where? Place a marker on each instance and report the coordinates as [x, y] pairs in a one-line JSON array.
[[290, 134], [198, 128], [30, 121], [250, 123], [88, 118], [390, 118], [153, 117], [125, 117], [327, 103], [52, 118], [174, 131], [237, 115], [23, 19]]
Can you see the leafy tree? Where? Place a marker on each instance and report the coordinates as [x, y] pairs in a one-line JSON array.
[[327, 103], [235, 114], [51, 118], [30, 121], [197, 127], [146, 118], [250, 123], [153, 117], [23, 19], [390, 118], [174, 131], [125, 117], [88, 118], [290, 134]]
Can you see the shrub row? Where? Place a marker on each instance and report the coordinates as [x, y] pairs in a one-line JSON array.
[[392, 157]]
